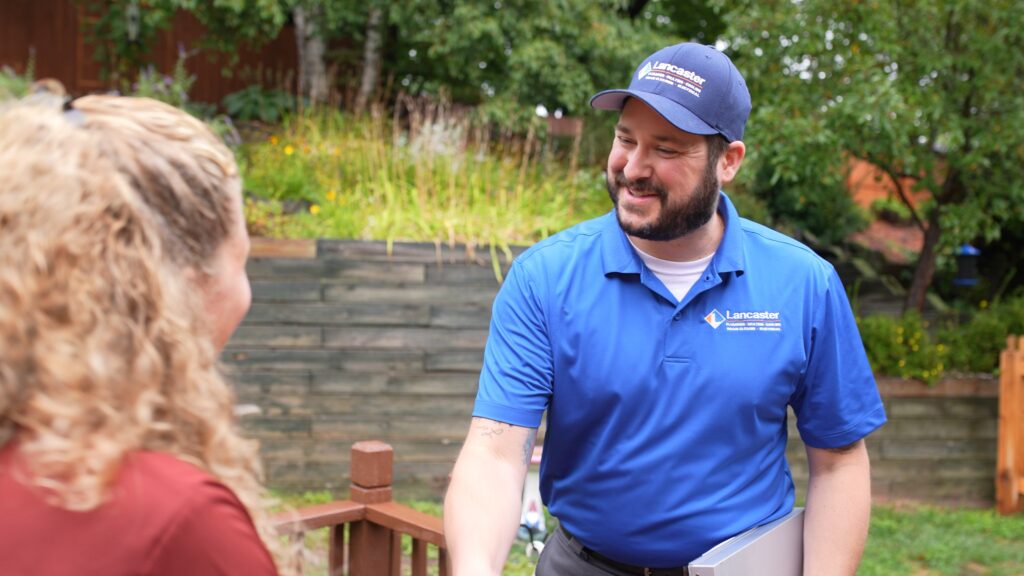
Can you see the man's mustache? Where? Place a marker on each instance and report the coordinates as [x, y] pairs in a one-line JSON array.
[[643, 186]]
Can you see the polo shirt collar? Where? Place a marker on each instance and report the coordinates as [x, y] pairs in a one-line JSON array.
[[619, 257]]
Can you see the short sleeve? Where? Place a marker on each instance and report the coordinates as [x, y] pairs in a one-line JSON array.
[[213, 535], [837, 403], [515, 382]]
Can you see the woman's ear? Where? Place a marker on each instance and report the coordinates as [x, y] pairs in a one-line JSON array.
[[729, 163], [192, 275]]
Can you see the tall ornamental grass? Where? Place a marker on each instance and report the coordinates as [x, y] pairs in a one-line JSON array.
[[425, 175]]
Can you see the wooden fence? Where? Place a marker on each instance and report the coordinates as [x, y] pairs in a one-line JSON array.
[[1010, 460], [54, 34], [375, 524]]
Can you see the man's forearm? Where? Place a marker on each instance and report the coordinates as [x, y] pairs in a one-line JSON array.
[[838, 510], [481, 511]]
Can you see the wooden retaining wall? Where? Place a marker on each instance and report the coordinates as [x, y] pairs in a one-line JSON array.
[[345, 342]]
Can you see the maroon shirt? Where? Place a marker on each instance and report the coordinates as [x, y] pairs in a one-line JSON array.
[[165, 516]]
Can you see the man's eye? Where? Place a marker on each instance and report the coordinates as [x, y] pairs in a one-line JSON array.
[[667, 151], [624, 140]]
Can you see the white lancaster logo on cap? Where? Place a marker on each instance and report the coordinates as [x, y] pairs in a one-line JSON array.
[[673, 75], [755, 321]]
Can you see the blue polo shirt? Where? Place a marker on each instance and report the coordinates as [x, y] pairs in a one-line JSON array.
[[666, 420]]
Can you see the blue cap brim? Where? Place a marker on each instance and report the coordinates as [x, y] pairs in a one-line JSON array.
[[670, 110]]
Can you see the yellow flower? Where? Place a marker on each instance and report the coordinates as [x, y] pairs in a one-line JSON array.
[[902, 363], [983, 304], [288, 150], [273, 139], [331, 195], [314, 209]]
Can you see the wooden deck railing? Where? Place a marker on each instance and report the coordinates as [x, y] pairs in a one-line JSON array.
[[1010, 460], [375, 525]]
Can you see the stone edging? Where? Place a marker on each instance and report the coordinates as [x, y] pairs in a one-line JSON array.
[[980, 386]]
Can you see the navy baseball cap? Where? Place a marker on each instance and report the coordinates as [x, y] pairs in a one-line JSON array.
[[695, 87]]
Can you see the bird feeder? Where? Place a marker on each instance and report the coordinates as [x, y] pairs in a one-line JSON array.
[[966, 265]]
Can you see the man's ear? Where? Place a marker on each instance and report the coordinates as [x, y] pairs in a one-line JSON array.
[[730, 161]]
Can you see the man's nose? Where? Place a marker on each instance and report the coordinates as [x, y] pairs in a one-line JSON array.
[[637, 166]]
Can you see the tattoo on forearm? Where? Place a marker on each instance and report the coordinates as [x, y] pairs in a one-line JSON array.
[[494, 430], [528, 446]]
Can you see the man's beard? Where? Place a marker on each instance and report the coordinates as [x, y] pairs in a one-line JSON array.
[[674, 220]]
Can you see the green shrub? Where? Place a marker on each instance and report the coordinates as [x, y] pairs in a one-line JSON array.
[[14, 85], [975, 345], [256, 103], [902, 347]]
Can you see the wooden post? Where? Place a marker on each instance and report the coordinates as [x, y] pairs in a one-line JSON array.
[[1010, 459], [370, 545], [336, 551]]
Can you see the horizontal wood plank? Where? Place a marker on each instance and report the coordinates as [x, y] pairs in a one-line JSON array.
[[318, 516], [417, 524]]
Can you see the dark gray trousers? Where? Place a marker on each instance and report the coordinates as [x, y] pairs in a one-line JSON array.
[[563, 556]]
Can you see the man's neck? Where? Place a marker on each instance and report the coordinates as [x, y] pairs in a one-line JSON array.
[[694, 246]]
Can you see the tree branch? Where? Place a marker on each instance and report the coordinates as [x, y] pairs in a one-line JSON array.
[[894, 177]]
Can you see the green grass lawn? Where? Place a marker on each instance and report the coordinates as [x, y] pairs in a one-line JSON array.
[[914, 540], [928, 540]]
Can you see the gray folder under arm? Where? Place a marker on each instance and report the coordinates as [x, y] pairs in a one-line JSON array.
[[776, 548]]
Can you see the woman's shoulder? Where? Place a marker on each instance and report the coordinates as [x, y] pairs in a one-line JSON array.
[[164, 513]]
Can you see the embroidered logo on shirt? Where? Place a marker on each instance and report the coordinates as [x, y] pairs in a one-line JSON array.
[[715, 318], [759, 320]]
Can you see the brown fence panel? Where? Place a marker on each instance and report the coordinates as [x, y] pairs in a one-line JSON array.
[[53, 31], [47, 28], [1010, 460]]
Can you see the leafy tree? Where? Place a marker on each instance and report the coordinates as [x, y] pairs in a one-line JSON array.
[[931, 89], [511, 55]]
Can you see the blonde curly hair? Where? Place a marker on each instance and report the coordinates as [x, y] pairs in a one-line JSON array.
[[103, 350]]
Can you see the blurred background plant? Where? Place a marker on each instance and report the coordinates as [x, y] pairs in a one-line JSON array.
[[258, 103], [967, 341], [903, 347], [425, 174], [14, 85]]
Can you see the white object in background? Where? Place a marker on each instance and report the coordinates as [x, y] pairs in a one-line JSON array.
[[531, 520], [243, 410]]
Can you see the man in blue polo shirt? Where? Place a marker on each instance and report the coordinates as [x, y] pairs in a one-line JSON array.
[[665, 340]]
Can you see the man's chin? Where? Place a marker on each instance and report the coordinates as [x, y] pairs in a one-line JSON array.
[[633, 223]]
